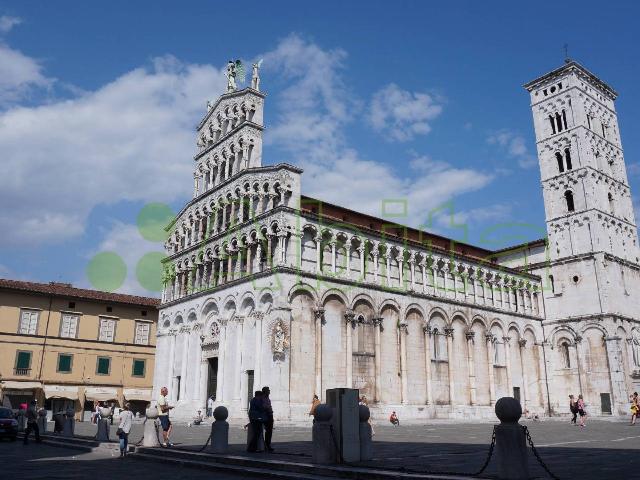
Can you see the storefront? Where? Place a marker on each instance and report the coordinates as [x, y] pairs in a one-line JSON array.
[[138, 398], [16, 393], [105, 395], [60, 398]]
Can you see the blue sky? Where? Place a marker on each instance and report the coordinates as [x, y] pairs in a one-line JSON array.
[[414, 100]]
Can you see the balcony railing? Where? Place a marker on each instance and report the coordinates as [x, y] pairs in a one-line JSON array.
[[22, 371]]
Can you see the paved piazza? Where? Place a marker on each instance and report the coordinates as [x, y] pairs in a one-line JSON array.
[[604, 449]]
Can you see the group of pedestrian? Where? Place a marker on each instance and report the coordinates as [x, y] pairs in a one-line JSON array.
[[260, 420], [577, 407]]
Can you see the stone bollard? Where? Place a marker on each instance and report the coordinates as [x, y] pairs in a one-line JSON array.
[[366, 437], [150, 428], [69, 423], [324, 448], [42, 421], [511, 444], [220, 431], [104, 425], [21, 418]]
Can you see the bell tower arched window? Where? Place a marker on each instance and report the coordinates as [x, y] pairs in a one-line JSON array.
[[560, 162], [568, 196], [564, 354], [567, 158]]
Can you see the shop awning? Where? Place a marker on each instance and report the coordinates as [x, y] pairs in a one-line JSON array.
[[141, 394], [61, 391], [13, 385], [101, 394]]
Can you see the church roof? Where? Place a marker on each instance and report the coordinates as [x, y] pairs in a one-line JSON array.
[[571, 65]]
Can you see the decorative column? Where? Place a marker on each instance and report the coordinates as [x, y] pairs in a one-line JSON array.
[[347, 248], [239, 371], [507, 348], [172, 357], [333, 256], [350, 325], [400, 260], [412, 269], [204, 380], [361, 251], [491, 338], [470, 334], [185, 361], [452, 390], [387, 256], [427, 362], [258, 259], [221, 360], [378, 328], [403, 330], [318, 240], [522, 344], [257, 369], [320, 321]]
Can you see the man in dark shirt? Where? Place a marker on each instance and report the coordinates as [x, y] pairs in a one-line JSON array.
[[32, 423], [256, 417], [268, 420]]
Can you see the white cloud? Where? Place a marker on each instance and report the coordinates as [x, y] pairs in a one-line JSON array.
[[314, 112], [633, 169], [515, 146], [401, 114], [8, 22], [126, 241], [130, 140], [19, 74]]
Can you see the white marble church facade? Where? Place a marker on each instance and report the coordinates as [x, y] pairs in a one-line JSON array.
[[264, 286]]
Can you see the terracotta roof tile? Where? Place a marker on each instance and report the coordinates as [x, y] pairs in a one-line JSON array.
[[67, 290]]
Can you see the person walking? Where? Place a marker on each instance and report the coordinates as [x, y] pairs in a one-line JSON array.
[[573, 408], [32, 423], [210, 406], [268, 419], [256, 418], [582, 411], [124, 427], [163, 415], [635, 407]]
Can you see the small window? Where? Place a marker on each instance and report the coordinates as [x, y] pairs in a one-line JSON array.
[[553, 286], [143, 313], [103, 366], [109, 309], [23, 362], [589, 122], [576, 279], [107, 330], [72, 304], [553, 125], [545, 92], [64, 363], [568, 196], [28, 322], [560, 86], [138, 368], [553, 89], [610, 197], [567, 157], [560, 162], [69, 326], [559, 122], [564, 119], [564, 352]]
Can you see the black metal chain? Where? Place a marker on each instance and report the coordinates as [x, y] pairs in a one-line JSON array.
[[206, 443], [139, 442], [536, 454], [490, 454], [335, 444]]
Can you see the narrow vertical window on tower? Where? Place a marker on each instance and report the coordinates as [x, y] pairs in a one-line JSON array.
[[589, 121], [553, 125], [553, 286], [568, 196], [610, 197], [560, 162], [564, 352], [567, 156], [559, 122], [564, 119], [604, 130]]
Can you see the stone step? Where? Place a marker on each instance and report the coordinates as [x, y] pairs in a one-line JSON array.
[[78, 443], [282, 467]]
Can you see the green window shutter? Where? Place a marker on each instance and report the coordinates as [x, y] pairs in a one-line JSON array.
[[23, 360], [103, 365], [138, 368], [64, 363]]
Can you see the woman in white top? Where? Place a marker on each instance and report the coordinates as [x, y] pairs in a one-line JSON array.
[[124, 427]]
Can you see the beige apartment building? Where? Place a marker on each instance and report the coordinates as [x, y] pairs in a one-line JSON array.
[[70, 347]]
